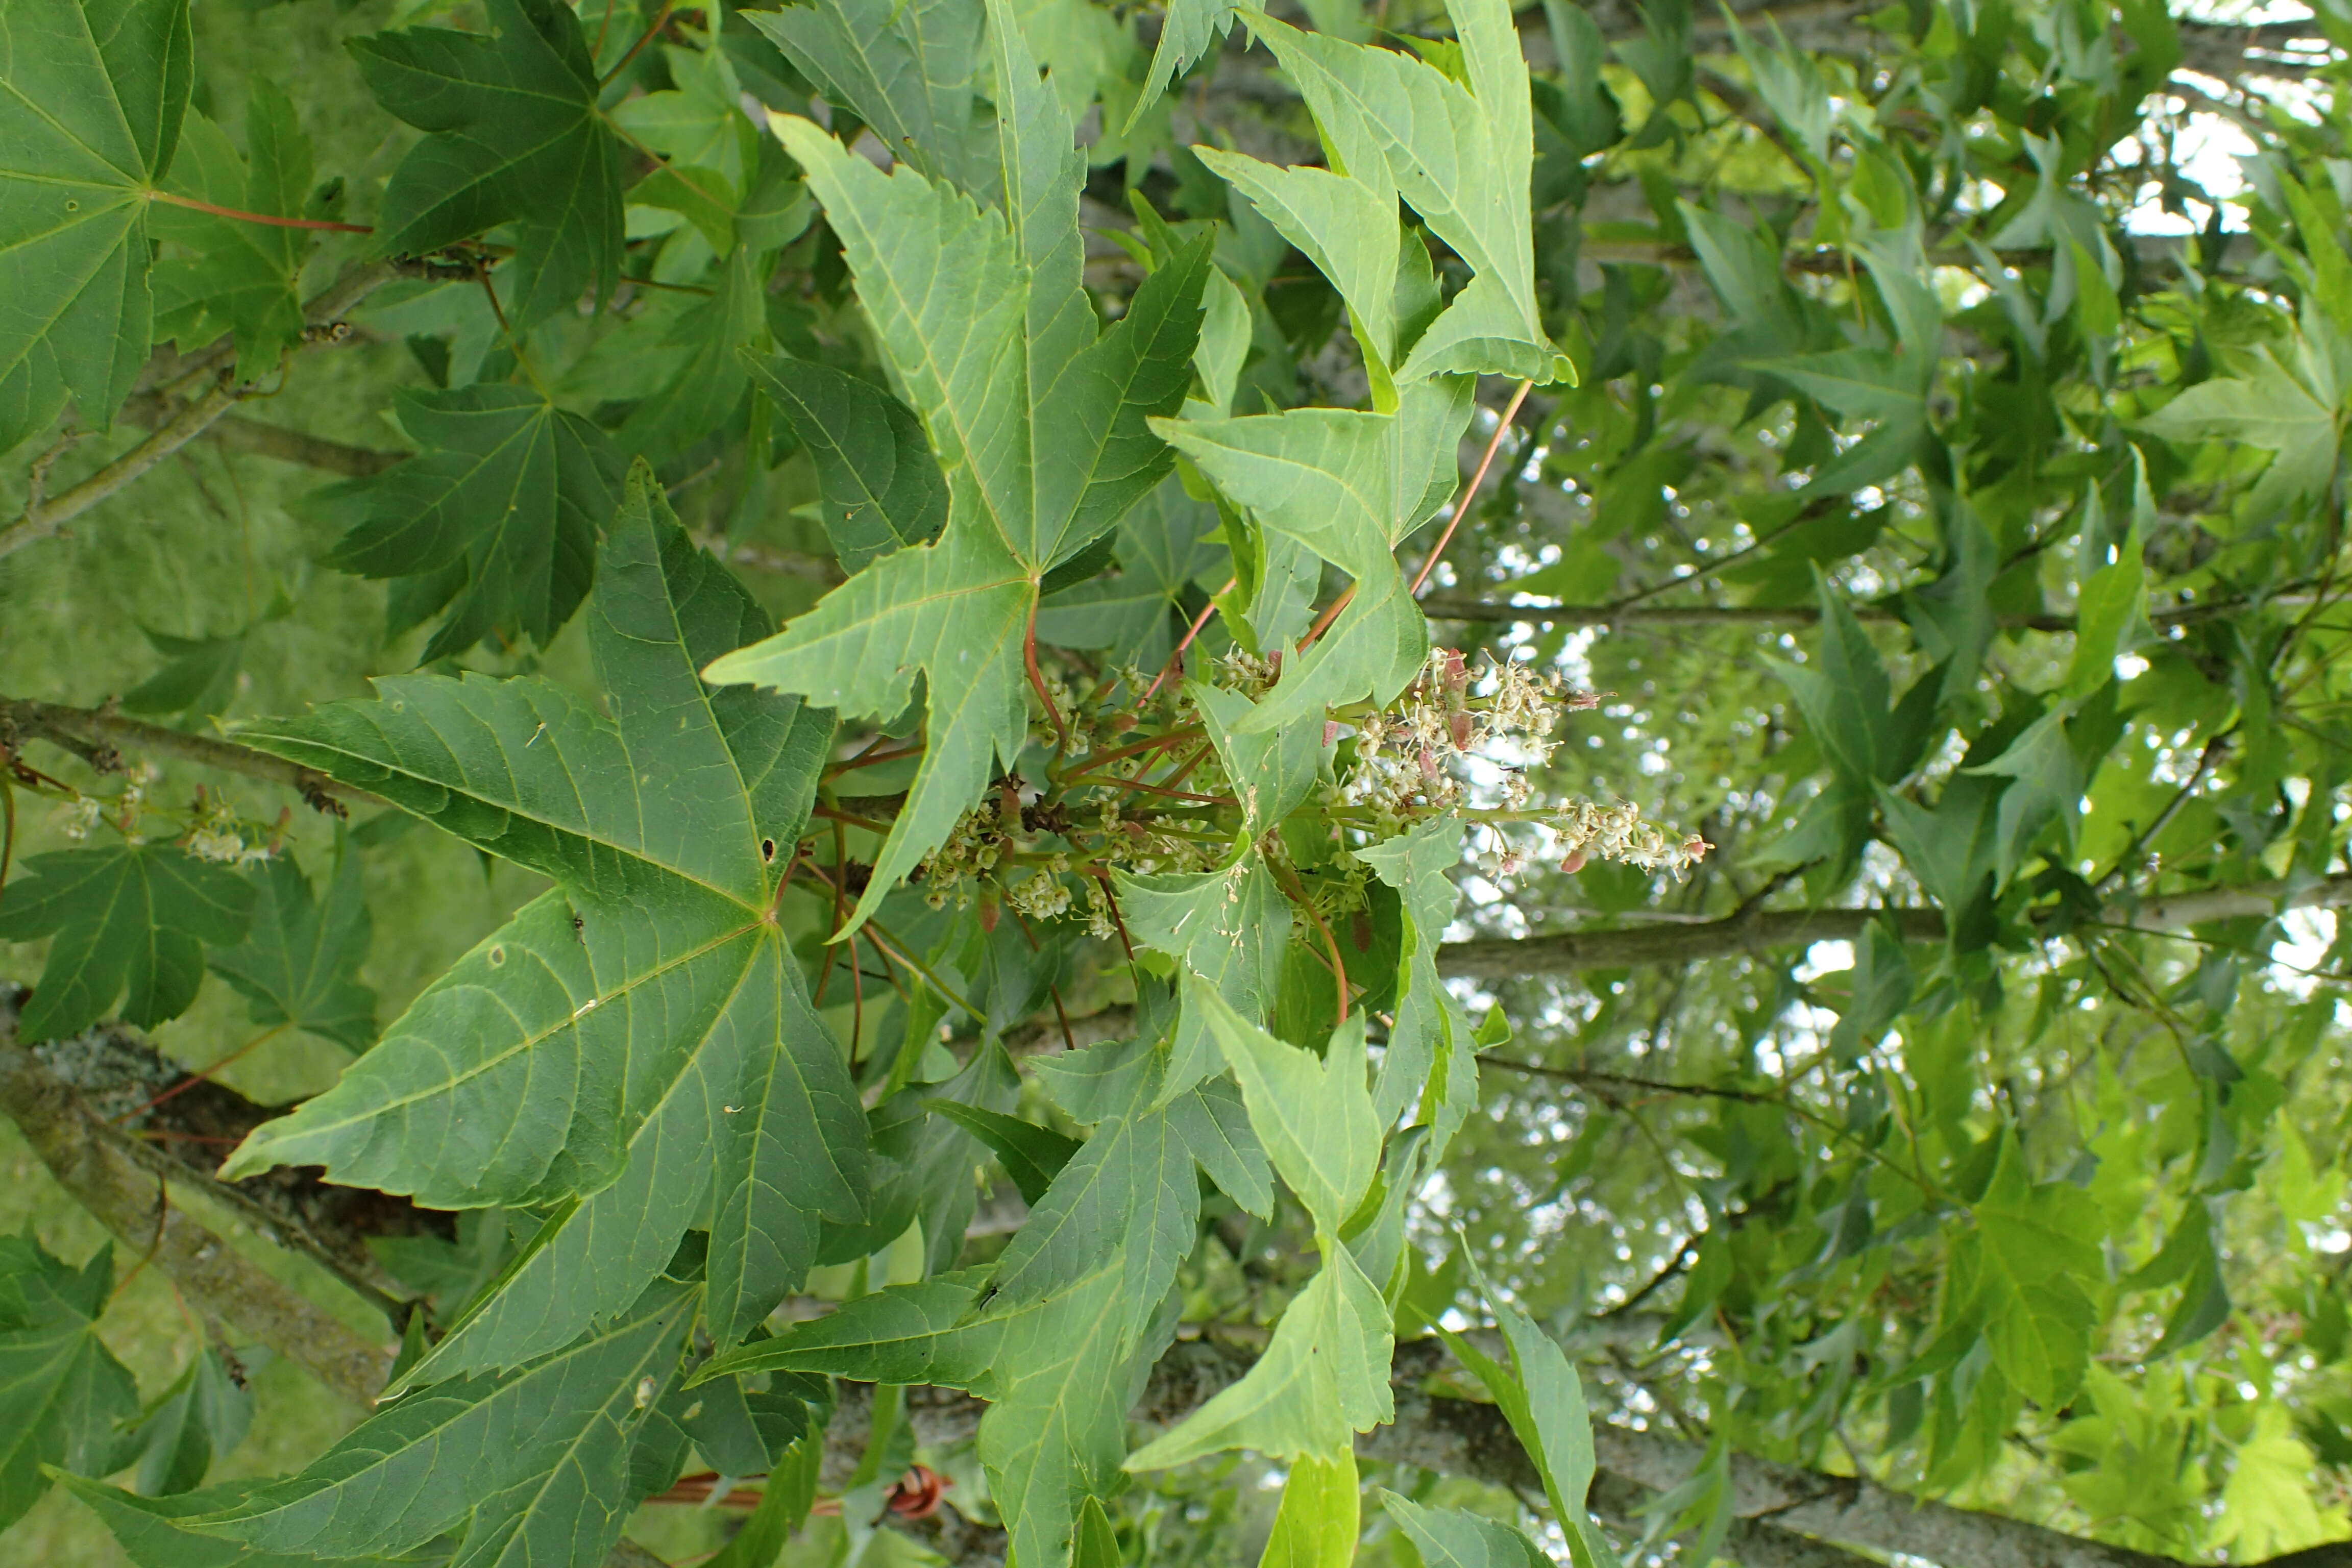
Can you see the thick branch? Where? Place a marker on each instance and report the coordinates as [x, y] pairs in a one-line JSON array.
[[99, 736], [45, 516], [1567, 953], [129, 1202], [240, 434], [179, 1127], [1456, 607], [86, 1153], [1786, 1517]]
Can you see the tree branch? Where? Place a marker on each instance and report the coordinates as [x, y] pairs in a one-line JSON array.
[[217, 1279], [1567, 953], [1456, 607], [1785, 1517], [240, 434], [45, 516], [85, 1153], [178, 1126], [100, 735]]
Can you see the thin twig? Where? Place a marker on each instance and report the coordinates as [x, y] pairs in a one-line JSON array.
[[1470, 491], [46, 518], [1176, 660], [243, 217], [99, 736], [514, 343], [643, 39]]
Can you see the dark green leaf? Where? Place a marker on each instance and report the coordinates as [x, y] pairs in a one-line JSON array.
[[1031, 1156], [299, 962], [883, 489], [640, 1032], [513, 137], [500, 511], [61, 1392], [129, 921], [201, 1418], [238, 276]]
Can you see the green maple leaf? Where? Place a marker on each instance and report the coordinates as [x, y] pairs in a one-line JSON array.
[[529, 1466], [904, 67], [299, 961], [129, 920], [62, 1393], [882, 491], [2026, 1273], [1324, 1373], [239, 277], [1230, 926], [1541, 1396], [200, 1418], [513, 136], [1187, 31], [1054, 1334], [1460, 153], [708, 387], [495, 519], [1431, 1032], [91, 98], [1165, 544], [641, 1036], [1349, 487], [1455, 1537], [1040, 421]]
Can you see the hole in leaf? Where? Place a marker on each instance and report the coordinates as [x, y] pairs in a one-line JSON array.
[[767, 850], [497, 956]]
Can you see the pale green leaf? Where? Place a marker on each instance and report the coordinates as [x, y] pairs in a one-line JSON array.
[[1229, 926], [1451, 1538], [956, 611], [1313, 1117], [1317, 1520], [1463, 158], [1351, 486], [1271, 772], [1432, 1034], [1214, 1124], [1323, 1378]]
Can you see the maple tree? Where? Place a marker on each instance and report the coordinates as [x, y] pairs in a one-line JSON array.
[[1103, 785]]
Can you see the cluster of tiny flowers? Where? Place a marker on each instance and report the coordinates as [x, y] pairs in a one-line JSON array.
[[1250, 674], [1100, 924], [1400, 771], [1043, 896], [218, 836], [134, 796], [80, 815], [970, 853], [1618, 833]]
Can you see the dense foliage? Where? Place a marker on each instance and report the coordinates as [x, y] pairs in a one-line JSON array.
[[1073, 785]]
